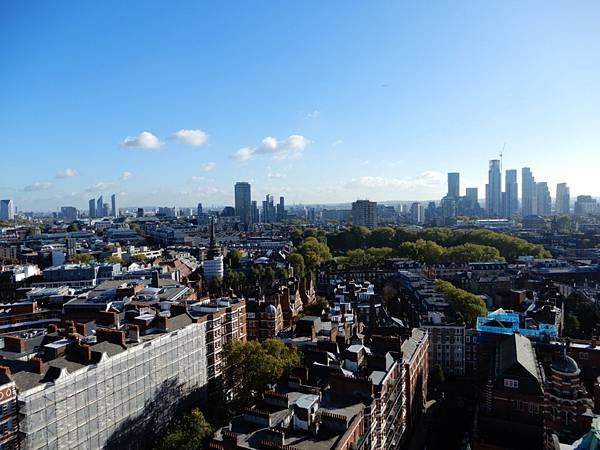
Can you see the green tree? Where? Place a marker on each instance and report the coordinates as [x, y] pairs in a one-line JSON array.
[[73, 227], [192, 432], [472, 253], [572, 326], [135, 228], [113, 259], [382, 237], [297, 262], [314, 253], [232, 259], [468, 305], [250, 366], [215, 286], [139, 258], [234, 280], [81, 258]]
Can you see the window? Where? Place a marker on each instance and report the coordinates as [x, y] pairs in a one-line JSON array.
[[513, 384], [583, 355]]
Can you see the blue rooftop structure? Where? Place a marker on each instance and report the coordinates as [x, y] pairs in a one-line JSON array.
[[509, 322]]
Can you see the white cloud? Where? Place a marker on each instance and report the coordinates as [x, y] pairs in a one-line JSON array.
[[101, 186], [190, 137], [37, 186], [209, 166], [276, 175], [291, 147], [337, 142], [243, 154], [425, 180], [144, 140], [67, 173], [195, 178], [313, 115], [125, 176]]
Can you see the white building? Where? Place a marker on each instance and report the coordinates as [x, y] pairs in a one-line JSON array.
[[213, 267]]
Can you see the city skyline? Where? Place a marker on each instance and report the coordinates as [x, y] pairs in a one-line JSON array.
[[321, 115]]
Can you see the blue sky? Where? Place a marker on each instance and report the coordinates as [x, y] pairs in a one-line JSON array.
[[170, 103]]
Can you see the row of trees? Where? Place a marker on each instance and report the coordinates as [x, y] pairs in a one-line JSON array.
[[467, 305], [432, 253], [86, 258], [508, 247]]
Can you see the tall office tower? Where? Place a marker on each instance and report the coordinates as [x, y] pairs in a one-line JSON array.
[[243, 202], [544, 202], [585, 204], [528, 193], [472, 194], [7, 209], [255, 212], [563, 199], [199, 210], [140, 212], [511, 189], [417, 213], [431, 211], [493, 199], [281, 209], [364, 213], [69, 213], [114, 201], [269, 212], [100, 207], [453, 185], [92, 212]]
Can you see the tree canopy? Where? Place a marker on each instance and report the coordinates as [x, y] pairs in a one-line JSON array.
[[250, 366], [81, 258], [467, 305], [508, 247], [314, 253], [297, 262], [192, 432]]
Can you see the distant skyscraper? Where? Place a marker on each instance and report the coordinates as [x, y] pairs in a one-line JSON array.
[[585, 204], [544, 201], [68, 213], [493, 198], [7, 209], [114, 201], [528, 193], [100, 207], [92, 212], [453, 185], [281, 209], [511, 189], [472, 194], [243, 202], [364, 213], [140, 212], [255, 212], [417, 213], [269, 214], [563, 199]]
